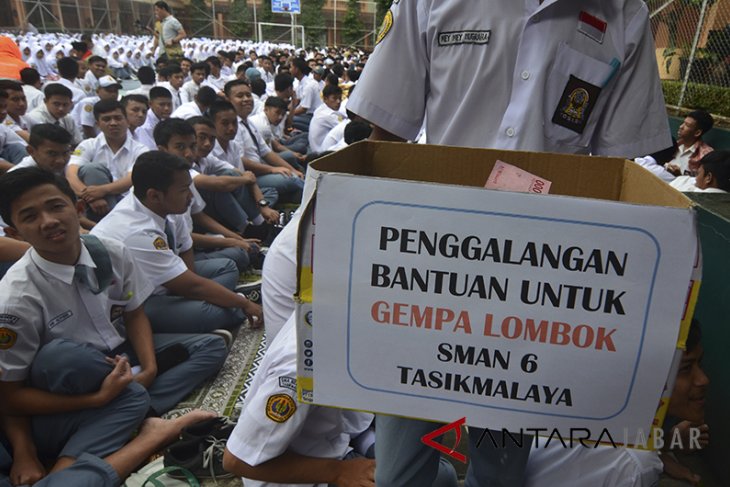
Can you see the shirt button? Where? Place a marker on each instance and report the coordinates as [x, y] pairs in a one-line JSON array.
[[525, 75], [510, 132]]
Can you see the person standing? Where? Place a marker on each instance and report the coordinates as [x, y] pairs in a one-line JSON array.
[[168, 32]]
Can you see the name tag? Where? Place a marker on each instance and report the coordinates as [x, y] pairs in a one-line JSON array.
[[464, 37]]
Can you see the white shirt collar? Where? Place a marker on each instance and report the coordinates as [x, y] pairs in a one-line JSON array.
[[62, 272], [139, 206]]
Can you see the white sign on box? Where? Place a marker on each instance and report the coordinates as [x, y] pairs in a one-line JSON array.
[[514, 310]]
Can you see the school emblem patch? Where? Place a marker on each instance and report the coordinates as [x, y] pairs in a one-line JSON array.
[[385, 27], [7, 338], [89, 108], [575, 106], [280, 407], [160, 244]]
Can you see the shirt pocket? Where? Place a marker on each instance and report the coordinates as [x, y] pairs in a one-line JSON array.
[[576, 91]]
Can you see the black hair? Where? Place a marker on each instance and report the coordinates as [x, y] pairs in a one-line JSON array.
[[163, 5], [146, 75], [276, 102], [300, 64], [95, 59], [159, 92], [4, 94], [338, 69], [206, 96], [134, 97], [48, 131], [283, 81], [57, 89], [156, 170], [172, 126], [717, 163], [330, 90], [10, 85], [233, 83], [353, 74], [241, 68], [213, 60], [332, 80], [16, 183], [258, 86], [220, 106], [201, 121], [186, 59], [173, 69], [198, 66], [29, 76], [356, 131], [106, 106], [68, 67], [704, 120]]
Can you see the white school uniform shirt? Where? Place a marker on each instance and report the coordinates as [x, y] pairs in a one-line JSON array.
[[261, 122], [254, 148], [604, 466], [41, 115], [143, 232], [41, 301], [211, 165], [176, 99], [686, 184], [515, 77], [216, 83], [188, 91], [92, 80], [97, 151], [145, 133], [308, 94], [187, 110], [27, 161], [16, 126], [83, 112], [78, 93], [34, 97], [141, 90], [232, 155], [335, 137], [84, 86], [324, 120], [273, 421]]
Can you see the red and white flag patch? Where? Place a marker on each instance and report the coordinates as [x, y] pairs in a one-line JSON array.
[[592, 26]]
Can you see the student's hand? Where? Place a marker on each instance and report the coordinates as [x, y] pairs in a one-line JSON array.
[[255, 314], [146, 377], [91, 193], [229, 242], [300, 157], [688, 435], [168, 43], [673, 169], [115, 382], [270, 215], [298, 173], [249, 177], [99, 206], [281, 170], [26, 469], [358, 472]]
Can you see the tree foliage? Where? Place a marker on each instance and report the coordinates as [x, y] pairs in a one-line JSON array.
[[313, 22], [382, 6], [200, 21], [240, 19], [352, 25]]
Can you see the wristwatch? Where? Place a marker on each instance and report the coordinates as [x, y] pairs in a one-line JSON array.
[[263, 203]]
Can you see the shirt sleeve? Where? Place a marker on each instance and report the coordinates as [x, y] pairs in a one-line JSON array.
[[154, 258], [87, 114], [183, 237], [83, 154], [135, 289], [393, 88], [634, 121], [20, 336]]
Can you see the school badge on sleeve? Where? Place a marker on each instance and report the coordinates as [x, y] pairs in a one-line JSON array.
[[160, 243], [280, 407], [385, 27], [7, 338], [576, 104]]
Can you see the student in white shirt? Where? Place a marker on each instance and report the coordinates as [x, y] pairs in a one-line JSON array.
[[83, 112], [203, 99], [198, 73], [97, 69], [68, 70], [49, 148], [307, 93], [325, 118], [56, 109], [135, 108], [174, 75], [215, 79], [100, 168], [32, 87], [146, 77], [713, 175], [160, 109]]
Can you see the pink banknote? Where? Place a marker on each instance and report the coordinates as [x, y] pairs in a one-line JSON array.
[[507, 177]]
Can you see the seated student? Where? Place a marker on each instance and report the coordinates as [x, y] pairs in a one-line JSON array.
[[270, 169], [215, 79], [307, 94], [97, 69], [146, 77], [295, 140], [552, 464], [356, 131], [83, 112], [713, 175], [177, 137], [691, 148], [198, 73], [186, 65], [78, 329], [325, 117], [100, 168], [268, 123], [90, 470], [258, 90], [12, 147], [16, 107], [49, 148], [56, 108], [189, 296], [203, 99], [232, 194], [135, 109], [68, 70], [175, 79], [32, 87], [160, 109], [280, 441]]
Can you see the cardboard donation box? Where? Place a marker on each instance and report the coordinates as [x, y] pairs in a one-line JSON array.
[[422, 294]]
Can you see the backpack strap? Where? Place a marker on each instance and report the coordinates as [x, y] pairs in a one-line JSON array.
[[100, 256]]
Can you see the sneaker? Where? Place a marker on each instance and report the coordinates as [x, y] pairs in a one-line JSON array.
[[220, 428], [203, 457], [251, 291], [226, 335]]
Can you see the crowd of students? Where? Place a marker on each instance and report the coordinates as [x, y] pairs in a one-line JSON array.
[[129, 218]]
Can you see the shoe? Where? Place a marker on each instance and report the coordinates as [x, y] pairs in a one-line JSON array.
[[251, 291], [260, 232], [219, 428], [203, 457], [226, 335]]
